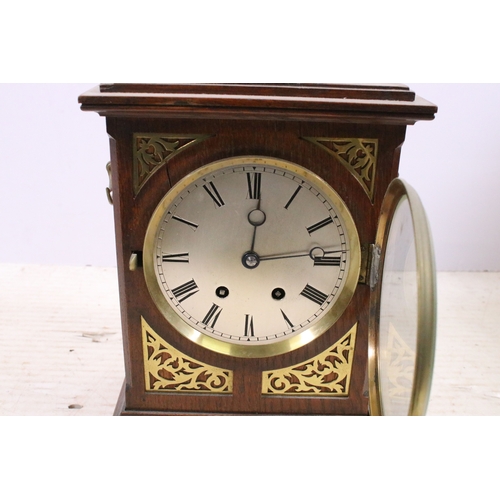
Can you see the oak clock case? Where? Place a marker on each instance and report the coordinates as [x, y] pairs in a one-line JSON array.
[[249, 266]]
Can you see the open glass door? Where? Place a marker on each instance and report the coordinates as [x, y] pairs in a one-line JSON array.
[[403, 308]]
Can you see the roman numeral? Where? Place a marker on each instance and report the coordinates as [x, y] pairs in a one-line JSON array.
[[175, 257], [285, 317], [214, 194], [186, 290], [293, 197], [212, 316], [184, 221], [313, 294], [254, 182], [319, 225], [249, 331], [327, 261]]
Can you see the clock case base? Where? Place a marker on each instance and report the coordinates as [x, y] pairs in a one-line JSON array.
[[300, 124]]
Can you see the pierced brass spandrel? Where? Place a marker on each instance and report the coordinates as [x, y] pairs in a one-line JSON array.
[[153, 151], [166, 369], [358, 155], [327, 374]]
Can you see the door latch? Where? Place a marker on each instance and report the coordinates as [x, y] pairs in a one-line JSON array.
[[370, 263]]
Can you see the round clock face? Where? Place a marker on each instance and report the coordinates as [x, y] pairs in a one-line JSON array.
[[251, 257]]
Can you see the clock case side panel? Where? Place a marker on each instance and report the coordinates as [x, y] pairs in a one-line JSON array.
[[117, 214], [120, 168], [277, 139]]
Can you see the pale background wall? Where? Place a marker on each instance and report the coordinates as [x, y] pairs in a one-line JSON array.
[[454, 165], [53, 208]]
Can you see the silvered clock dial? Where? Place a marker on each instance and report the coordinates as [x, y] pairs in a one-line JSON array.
[[251, 256]]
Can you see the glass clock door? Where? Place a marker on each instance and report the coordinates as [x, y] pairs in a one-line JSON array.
[[403, 319]]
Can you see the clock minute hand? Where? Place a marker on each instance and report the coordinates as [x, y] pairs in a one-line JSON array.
[[285, 256], [316, 252]]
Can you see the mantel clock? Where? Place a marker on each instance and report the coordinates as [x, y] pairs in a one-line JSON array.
[[270, 260]]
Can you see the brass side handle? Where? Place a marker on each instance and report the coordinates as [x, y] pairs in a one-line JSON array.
[[370, 262], [109, 190]]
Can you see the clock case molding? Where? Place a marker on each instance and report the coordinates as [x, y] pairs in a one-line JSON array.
[[349, 135]]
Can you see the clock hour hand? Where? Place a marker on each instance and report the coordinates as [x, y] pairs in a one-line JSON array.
[[256, 218]]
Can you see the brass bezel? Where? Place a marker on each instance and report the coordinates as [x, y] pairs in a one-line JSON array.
[[253, 351], [426, 306]]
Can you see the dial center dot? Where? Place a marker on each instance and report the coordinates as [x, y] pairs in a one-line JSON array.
[[250, 260]]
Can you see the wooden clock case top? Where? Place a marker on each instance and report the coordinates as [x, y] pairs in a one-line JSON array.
[[293, 122]]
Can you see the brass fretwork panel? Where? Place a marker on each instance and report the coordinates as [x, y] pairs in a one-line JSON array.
[[166, 369], [359, 156], [153, 151], [328, 374]]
